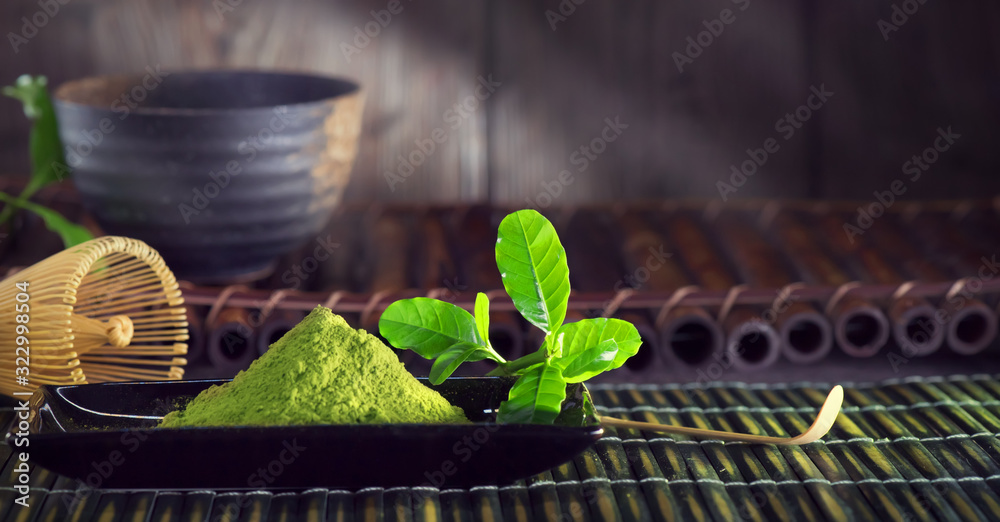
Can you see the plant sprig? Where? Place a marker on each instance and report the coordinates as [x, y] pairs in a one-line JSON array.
[[532, 264], [48, 164]]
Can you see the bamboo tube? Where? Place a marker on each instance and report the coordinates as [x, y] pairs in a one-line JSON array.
[[806, 335], [688, 335], [973, 324], [107, 309], [591, 253], [436, 260], [277, 324], [587, 233], [645, 359], [389, 244], [591, 232], [231, 342], [972, 328], [341, 269], [476, 252], [859, 327], [914, 327], [389, 248], [476, 270], [751, 343]]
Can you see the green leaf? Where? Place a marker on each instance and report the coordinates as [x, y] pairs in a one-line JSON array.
[[29, 90], [535, 398], [532, 264], [585, 334], [554, 344], [71, 233], [47, 161], [588, 363], [48, 164], [428, 326], [483, 316], [452, 358], [578, 408]]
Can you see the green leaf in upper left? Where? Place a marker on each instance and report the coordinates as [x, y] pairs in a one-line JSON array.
[[48, 164]]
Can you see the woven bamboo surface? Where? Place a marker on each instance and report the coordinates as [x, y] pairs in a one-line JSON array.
[[913, 449]]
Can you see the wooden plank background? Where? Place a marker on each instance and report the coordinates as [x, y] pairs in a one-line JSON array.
[[561, 78]]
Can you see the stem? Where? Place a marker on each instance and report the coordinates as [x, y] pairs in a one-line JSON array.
[[11, 207], [13, 204], [497, 357], [519, 364], [30, 189]]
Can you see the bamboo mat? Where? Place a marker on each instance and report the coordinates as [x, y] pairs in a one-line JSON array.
[[911, 449]]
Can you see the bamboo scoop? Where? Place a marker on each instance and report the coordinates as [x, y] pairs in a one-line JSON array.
[[105, 310], [824, 421]]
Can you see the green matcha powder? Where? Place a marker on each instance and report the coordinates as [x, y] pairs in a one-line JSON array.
[[321, 372]]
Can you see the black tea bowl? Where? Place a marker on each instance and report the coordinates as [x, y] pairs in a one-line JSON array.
[[221, 172]]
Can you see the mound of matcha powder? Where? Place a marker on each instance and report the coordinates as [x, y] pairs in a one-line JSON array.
[[321, 372]]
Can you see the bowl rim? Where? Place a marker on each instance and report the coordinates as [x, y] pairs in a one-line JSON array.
[[61, 95]]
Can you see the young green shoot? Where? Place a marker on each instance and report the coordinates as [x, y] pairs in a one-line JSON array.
[[48, 165], [532, 264]]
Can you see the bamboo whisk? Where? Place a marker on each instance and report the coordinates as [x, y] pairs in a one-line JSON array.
[[105, 310]]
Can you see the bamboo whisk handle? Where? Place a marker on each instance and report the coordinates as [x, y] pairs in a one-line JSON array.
[[120, 330], [91, 333]]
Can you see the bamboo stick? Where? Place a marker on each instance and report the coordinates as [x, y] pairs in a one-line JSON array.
[[277, 324], [820, 426], [231, 343]]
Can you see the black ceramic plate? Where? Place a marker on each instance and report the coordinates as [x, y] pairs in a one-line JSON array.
[[101, 434]]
